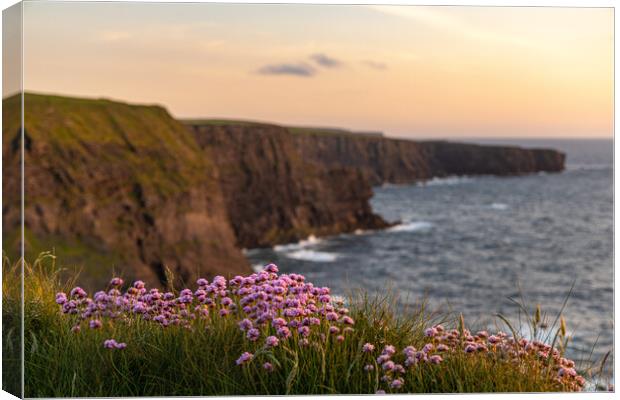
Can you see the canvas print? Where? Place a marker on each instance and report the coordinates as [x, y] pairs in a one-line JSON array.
[[218, 199]]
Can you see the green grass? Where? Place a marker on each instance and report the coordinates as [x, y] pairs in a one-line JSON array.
[[295, 130], [221, 122], [177, 361], [85, 134]]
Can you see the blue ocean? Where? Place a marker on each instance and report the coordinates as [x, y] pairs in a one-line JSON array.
[[471, 244]]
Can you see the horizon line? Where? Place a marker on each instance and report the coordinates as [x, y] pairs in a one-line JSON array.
[[310, 126]]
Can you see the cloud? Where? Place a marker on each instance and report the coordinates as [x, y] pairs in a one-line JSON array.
[[302, 70], [325, 61], [375, 65], [447, 20]]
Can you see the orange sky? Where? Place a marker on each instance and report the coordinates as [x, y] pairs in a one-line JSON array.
[[405, 70]]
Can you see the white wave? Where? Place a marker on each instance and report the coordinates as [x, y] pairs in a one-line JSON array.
[[414, 226], [450, 180], [499, 206], [314, 256], [387, 185], [310, 241], [258, 267]]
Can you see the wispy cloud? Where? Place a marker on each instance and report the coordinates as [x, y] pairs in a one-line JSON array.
[[375, 65], [300, 69], [325, 61], [442, 19]]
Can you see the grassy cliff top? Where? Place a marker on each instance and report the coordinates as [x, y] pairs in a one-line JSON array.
[[140, 138], [297, 130]]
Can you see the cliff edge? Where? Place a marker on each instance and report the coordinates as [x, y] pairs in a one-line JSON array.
[[385, 160]]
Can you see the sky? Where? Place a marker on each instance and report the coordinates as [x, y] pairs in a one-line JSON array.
[[409, 71]]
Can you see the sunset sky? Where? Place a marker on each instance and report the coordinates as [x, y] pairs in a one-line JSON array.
[[404, 70]]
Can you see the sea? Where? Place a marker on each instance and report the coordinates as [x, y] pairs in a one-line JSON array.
[[485, 245]]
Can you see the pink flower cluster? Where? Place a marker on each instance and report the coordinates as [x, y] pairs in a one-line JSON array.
[[444, 343], [268, 307], [273, 310]]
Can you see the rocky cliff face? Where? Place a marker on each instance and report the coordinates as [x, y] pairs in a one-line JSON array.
[[127, 182], [386, 160], [273, 196]]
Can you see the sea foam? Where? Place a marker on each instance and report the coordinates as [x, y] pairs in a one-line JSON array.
[[450, 180], [413, 226], [314, 256], [310, 241]]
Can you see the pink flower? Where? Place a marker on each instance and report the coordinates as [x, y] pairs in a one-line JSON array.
[[369, 368], [268, 367], [253, 334], [116, 282], [388, 366], [396, 383], [77, 292], [61, 298], [409, 351], [278, 322], [245, 324], [331, 316], [382, 358], [272, 341], [95, 324], [368, 348], [112, 344], [567, 372], [283, 332], [245, 358], [271, 268], [430, 332], [411, 361], [442, 347], [436, 359]]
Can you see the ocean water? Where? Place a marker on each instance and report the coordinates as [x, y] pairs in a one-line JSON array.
[[469, 244]]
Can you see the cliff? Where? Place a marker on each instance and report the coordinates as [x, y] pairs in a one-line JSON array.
[[386, 160], [125, 182], [273, 196], [109, 183]]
